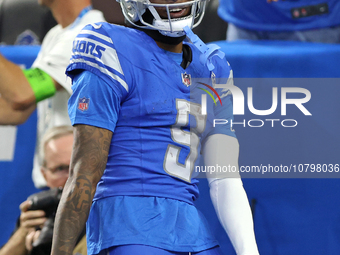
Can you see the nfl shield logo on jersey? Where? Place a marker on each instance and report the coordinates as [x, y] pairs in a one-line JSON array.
[[186, 79], [83, 104]]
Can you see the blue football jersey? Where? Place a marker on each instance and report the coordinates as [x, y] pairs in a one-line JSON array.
[[153, 107]]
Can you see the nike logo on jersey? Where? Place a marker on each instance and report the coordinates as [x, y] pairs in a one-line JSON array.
[[96, 26]]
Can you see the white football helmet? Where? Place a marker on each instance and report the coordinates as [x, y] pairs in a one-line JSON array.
[[143, 14]]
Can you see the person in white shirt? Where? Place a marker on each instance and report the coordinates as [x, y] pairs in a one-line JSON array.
[[45, 85]]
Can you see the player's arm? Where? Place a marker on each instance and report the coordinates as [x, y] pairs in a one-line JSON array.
[[89, 157], [228, 195], [24, 88], [8, 116]]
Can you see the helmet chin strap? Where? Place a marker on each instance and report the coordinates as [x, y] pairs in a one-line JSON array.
[[165, 24], [156, 34], [167, 28]]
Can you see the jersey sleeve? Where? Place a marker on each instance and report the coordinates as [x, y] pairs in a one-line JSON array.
[[220, 103], [224, 110], [93, 102], [94, 51]]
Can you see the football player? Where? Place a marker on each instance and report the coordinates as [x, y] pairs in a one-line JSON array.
[[140, 128]]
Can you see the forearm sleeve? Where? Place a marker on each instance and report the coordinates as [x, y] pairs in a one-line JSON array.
[[228, 195], [232, 208]]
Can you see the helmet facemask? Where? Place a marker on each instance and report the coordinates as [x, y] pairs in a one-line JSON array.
[[138, 12]]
